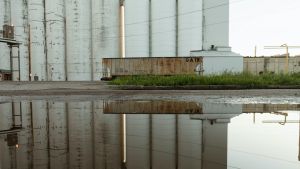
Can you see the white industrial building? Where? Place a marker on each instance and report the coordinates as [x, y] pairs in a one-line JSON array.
[[66, 39]]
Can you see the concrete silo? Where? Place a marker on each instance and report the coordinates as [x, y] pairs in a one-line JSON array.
[[137, 28], [106, 32], [38, 69], [78, 37], [21, 25], [163, 27], [189, 26], [55, 39]]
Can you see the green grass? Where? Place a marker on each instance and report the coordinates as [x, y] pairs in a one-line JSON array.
[[244, 79]]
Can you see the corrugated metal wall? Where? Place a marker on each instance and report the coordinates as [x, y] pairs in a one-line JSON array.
[[68, 38]]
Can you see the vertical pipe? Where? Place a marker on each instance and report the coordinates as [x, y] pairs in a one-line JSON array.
[[176, 29], [150, 28], [122, 30], [55, 39], [78, 18]]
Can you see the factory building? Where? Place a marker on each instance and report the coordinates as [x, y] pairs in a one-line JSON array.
[[67, 39]]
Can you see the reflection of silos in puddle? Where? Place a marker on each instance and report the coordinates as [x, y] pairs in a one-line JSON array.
[[24, 157], [37, 39], [105, 32], [20, 22], [6, 123], [163, 141], [137, 28], [80, 135], [163, 22], [58, 135], [107, 138], [40, 134], [215, 145], [78, 34], [137, 45], [189, 142], [55, 35], [189, 26], [4, 19], [138, 141]]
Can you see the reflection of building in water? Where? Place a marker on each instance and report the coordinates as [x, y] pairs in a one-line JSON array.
[[60, 135]]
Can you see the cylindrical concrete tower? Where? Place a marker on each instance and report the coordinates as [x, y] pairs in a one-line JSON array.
[[55, 36], [189, 26], [163, 20], [37, 40], [137, 28], [20, 22], [78, 34]]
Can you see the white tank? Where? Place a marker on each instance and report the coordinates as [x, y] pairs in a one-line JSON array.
[[37, 40], [106, 34], [137, 28], [80, 135], [189, 26], [78, 34], [216, 23], [58, 135], [20, 22], [55, 35], [163, 27]]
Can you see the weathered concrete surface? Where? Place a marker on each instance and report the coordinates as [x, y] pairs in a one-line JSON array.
[[102, 89]]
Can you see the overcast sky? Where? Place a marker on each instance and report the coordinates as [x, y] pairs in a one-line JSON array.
[[263, 23]]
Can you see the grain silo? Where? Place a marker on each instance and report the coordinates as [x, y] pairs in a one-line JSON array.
[[67, 39]]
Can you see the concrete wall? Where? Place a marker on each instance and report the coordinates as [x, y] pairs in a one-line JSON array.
[[258, 65]]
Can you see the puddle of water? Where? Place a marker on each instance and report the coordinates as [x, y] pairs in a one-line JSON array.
[[155, 134]]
